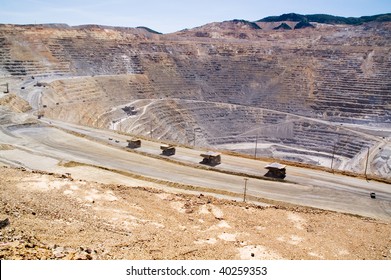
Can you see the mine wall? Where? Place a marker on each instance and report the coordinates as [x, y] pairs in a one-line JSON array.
[[302, 92]]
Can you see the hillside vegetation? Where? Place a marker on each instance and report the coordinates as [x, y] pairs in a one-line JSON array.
[[328, 19]]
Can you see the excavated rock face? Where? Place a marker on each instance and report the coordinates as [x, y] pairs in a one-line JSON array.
[[14, 103], [303, 95]]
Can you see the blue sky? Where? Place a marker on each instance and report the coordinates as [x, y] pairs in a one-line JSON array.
[[172, 15]]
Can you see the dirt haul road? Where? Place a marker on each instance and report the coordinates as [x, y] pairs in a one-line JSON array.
[[102, 148]]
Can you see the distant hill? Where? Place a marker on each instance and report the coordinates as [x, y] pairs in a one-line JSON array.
[[148, 29], [329, 19], [250, 24], [303, 24], [235, 24], [283, 26]]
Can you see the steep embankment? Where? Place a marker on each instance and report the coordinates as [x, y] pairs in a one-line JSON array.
[[300, 94]]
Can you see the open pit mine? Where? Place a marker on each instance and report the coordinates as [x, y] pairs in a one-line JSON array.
[[205, 110], [319, 96]]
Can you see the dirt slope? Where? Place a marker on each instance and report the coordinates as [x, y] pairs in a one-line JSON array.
[[56, 217], [14, 103]]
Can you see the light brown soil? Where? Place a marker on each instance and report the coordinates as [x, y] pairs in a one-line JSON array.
[[15, 103], [56, 217]]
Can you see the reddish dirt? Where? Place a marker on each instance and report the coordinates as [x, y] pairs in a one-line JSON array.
[[51, 216]]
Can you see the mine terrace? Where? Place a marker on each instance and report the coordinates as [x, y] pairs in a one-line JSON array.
[[206, 110]]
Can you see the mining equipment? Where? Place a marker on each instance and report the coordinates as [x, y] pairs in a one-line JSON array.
[[167, 150], [40, 114], [275, 170], [373, 195], [134, 143], [130, 110], [211, 158]]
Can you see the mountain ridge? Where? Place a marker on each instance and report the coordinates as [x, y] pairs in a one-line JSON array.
[[327, 19], [254, 25]]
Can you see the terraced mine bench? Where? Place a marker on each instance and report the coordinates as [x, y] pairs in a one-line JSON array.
[[211, 158], [134, 143], [340, 79], [167, 150]]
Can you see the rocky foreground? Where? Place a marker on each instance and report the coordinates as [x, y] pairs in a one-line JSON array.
[[52, 216]]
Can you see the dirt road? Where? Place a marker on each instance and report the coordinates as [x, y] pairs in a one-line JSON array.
[[102, 148]]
